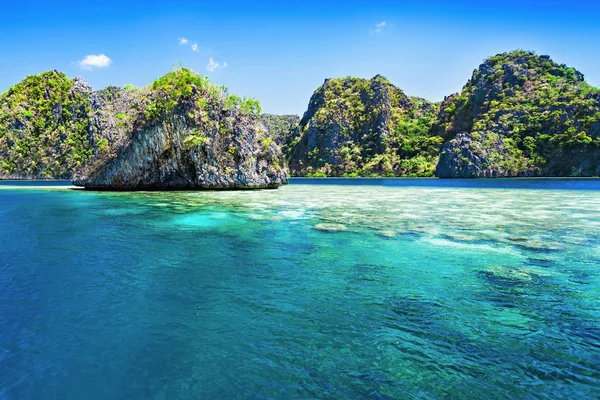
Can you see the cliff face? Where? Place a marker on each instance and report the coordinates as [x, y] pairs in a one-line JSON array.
[[364, 127], [480, 154], [182, 133], [544, 116]]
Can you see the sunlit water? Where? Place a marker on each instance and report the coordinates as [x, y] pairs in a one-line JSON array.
[[424, 289]]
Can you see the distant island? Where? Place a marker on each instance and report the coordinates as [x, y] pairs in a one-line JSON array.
[[520, 114]]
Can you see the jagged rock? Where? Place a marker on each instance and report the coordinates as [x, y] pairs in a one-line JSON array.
[[157, 158], [202, 140], [479, 155], [181, 133], [546, 113], [356, 126], [81, 86]]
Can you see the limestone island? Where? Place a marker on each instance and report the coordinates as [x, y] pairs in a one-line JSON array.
[[520, 115], [181, 132]]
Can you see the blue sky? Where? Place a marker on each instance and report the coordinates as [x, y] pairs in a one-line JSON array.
[[280, 53]]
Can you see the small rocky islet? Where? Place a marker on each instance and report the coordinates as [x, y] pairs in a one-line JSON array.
[[181, 132], [520, 114]]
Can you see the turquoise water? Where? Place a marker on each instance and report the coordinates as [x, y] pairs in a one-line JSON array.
[[405, 289]]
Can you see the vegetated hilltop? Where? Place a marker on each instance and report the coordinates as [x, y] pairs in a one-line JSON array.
[[180, 132], [364, 127], [521, 115], [44, 124]]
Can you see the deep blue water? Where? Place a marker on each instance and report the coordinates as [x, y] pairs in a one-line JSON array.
[[441, 289]]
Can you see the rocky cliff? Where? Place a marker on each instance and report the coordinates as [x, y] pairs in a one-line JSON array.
[[181, 132], [521, 115], [364, 127], [480, 154]]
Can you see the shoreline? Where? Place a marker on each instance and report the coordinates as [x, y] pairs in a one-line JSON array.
[[355, 178]]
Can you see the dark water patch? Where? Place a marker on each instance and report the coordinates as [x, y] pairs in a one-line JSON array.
[[537, 261]]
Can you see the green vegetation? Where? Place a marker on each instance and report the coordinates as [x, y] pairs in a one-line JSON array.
[[534, 115], [43, 127], [48, 128], [196, 139], [282, 128], [179, 86], [360, 127], [103, 145], [175, 87], [545, 109], [250, 107]]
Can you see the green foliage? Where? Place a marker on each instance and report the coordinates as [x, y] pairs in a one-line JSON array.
[[250, 107], [173, 88], [545, 108], [365, 128], [196, 139], [43, 127], [181, 84], [316, 174], [266, 144], [233, 150], [103, 145], [232, 101], [282, 128]]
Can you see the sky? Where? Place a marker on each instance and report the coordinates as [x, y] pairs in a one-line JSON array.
[[280, 52]]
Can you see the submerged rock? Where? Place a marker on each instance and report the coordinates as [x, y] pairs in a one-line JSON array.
[[327, 227]]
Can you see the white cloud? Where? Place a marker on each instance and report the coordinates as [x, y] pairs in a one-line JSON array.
[[379, 27], [182, 40], [195, 47], [213, 66], [92, 61]]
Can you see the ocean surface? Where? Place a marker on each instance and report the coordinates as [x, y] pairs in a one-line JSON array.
[[330, 289]]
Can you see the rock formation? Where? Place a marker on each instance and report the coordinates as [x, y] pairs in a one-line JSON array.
[[44, 127], [364, 127], [182, 132], [526, 115], [520, 114]]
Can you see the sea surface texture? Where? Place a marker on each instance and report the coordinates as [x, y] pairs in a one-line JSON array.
[[331, 289]]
